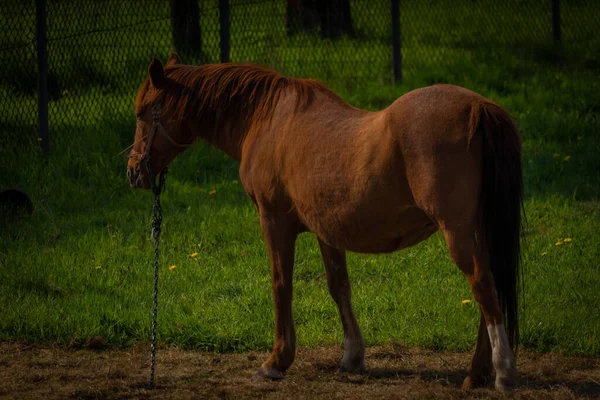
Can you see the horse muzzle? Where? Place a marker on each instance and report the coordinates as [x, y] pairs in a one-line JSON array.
[[137, 179]]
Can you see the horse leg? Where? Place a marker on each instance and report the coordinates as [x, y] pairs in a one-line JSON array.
[[339, 288], [473, 263], [280, 236], [481, 365]]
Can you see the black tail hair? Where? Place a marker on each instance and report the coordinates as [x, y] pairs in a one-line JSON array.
[[501, 206]]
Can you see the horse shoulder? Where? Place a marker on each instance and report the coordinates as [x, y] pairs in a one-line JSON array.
[[260, 168]]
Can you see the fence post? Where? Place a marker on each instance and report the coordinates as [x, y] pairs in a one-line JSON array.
[[225, 31], [556, 33], [42, 59], [396, 41], [185, 29]]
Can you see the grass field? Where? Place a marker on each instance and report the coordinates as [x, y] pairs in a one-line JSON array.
[[81, 266]]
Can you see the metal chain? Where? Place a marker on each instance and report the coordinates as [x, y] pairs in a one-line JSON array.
[[155, 237], [156, 225], [156, 228]]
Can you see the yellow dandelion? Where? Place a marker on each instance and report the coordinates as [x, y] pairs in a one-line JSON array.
[[466, 301], [234, 181], [544, 253], [98, 267], [568, 240], [194, 255], [172, 267], [212, 192], [184, 297], [39, 139], [559, 243], [556, 155], [567, 158]]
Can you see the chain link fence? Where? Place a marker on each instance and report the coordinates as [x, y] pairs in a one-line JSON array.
[[98, 51]]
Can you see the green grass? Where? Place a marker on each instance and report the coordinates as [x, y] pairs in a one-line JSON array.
[[87, 216]]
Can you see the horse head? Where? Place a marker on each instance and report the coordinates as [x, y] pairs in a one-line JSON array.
[[159, 135]]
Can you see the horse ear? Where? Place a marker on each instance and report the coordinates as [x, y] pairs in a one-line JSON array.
[[174, 59], [156, 72]]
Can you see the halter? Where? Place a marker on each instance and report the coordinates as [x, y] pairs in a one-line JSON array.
[[145, 159]]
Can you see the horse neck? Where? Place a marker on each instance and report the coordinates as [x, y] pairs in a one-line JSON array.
[[228, 132], [227, 137]]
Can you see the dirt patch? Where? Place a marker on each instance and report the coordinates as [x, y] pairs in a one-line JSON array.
[[395, 371]]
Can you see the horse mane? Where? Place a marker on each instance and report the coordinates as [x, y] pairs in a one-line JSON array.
[[230, 90]]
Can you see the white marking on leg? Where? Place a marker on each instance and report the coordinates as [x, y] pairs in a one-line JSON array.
[[502, 355]]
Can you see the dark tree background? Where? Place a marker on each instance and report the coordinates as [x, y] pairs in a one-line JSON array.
[[333, 16], [185, 28]]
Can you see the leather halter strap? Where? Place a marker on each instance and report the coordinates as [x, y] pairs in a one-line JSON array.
[[145, 157], [157, 127]]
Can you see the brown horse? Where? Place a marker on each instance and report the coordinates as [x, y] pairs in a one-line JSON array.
[[441, 157]]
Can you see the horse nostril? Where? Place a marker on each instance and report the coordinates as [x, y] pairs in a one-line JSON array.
[[131, 175]]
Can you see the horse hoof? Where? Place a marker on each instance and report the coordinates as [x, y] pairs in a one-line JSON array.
[[504, 385], [468, 383], [358, 369], [269, 373], [474, 382]]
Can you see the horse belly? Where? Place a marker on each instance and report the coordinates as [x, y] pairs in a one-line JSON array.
[[377, 230]]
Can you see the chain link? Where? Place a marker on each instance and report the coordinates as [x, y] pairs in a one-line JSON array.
[[155, 237], [156, 227]]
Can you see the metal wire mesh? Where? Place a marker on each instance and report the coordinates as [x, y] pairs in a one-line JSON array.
[[443, 33], [98, 51], [18, 77]]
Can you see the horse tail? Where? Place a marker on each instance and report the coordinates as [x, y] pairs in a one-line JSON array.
[[501, 204]]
